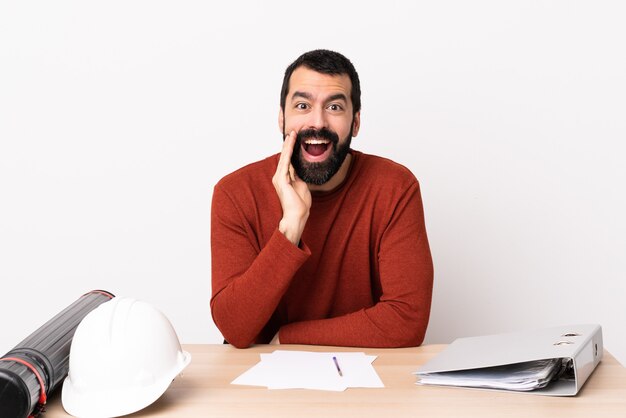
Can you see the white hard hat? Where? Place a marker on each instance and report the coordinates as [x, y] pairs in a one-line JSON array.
[[124, 355]]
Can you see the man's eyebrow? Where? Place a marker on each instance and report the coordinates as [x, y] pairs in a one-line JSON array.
[[338, 96], [302, 94]]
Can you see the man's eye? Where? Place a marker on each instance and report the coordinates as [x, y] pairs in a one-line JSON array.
[[334, 107], [301, 106]]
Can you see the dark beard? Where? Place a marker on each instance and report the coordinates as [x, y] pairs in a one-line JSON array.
[[320, 172]]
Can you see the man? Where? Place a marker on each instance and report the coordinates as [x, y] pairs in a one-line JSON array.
[[320, 244]]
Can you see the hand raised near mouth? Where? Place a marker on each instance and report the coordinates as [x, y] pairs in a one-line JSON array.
[[293, 193]]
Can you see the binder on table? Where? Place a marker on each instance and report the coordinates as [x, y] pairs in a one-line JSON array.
[[551, 361]]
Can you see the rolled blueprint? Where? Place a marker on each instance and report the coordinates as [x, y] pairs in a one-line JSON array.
[[37, 365]]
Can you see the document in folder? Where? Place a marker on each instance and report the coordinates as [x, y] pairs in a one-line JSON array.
[[529, 375], [550, 361]]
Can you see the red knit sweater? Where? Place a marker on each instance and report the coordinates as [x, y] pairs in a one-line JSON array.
[[362, 275]]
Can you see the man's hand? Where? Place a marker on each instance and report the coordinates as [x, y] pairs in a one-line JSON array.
[[293, 193]]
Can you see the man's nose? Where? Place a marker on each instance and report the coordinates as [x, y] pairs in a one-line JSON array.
[[317, 119]]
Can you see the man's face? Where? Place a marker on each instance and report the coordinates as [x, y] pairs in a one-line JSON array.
[[319, 109]]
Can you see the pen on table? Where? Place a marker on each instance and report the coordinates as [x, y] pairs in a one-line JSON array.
[[337, 365]]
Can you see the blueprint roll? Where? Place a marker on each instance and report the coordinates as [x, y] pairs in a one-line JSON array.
[[37, 365]]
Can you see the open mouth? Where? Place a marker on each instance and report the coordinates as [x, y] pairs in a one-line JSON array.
[[315, 149]]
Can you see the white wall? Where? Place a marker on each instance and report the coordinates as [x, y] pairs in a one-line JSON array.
[[117, 118]]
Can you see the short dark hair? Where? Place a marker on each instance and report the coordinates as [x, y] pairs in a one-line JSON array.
[[325, 62]]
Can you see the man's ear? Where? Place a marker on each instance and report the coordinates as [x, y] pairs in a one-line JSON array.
[[356, 123], [281, 120]]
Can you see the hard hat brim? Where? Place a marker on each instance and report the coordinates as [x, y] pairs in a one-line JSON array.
[[118, 401]]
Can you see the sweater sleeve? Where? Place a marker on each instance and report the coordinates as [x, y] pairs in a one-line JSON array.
[[400, 317], [247, 282]]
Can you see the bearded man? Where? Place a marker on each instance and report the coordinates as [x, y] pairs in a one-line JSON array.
[[320, 244]]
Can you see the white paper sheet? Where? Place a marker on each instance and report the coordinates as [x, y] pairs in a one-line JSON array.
[[311, 370]]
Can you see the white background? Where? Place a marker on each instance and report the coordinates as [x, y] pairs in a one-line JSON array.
[[118, 117]]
